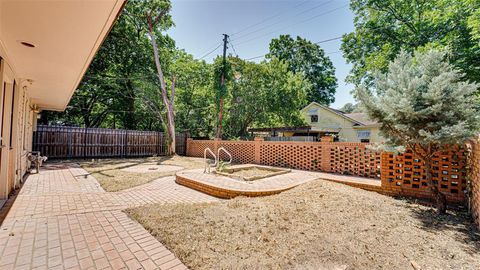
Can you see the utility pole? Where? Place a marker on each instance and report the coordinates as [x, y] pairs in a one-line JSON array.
[[222, 85]]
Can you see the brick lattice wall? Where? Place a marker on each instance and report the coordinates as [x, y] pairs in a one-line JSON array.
[[341, 157], [401, 174], [474, 176], [196, 149], [303, 156], [354, 159], [244, 151]]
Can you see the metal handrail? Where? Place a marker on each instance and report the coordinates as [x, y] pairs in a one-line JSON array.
[[207, 166], [226, 152]]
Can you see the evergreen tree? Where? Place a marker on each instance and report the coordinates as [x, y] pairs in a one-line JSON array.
[[423, 104]]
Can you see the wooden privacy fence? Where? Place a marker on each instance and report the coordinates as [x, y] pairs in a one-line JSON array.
[[76, 142], [401, 174]]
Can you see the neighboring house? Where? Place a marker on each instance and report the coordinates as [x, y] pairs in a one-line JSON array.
[[324, 121], [45, 49], [347, 127]]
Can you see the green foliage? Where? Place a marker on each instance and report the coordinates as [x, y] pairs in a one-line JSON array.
[[195, 98], [220, 89], [111, 91], [352, 108], [422, 101], [121, 88], [222, 166], [384, 27], [308, 59], [264, 95]]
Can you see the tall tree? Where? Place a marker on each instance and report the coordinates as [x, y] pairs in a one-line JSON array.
[[351, 108], [422, 103], [152, 22], [384, 27], [195, 97], [308, 59], [122, 69], [263, 95]]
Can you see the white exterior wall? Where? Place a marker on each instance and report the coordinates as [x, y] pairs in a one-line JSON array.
[[17, 140]]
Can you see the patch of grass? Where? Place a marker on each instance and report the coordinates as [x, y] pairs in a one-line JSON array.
[[318, 225], [112, 177]]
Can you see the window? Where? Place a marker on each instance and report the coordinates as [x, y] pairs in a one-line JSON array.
[[365, 140], [314, 118], [363, 134]]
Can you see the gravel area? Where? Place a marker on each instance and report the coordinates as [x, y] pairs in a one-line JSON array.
[[119, 174], [318, 225]]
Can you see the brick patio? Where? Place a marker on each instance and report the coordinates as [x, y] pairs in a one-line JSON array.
[[63, 219]]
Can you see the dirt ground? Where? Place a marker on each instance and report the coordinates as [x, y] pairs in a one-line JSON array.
[[318, 225], [119, 174], [251, 172]]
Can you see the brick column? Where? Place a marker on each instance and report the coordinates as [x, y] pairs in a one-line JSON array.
[[325, 165], [474, 175], [258, 142], [384, 160]]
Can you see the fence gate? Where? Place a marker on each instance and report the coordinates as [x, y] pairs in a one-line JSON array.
[[76, 142]]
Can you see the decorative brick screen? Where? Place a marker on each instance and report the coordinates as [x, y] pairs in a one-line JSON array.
[[296, 155], [343, 158], [474, 176], [242, 151], [196, 149], [401, 174], [354, 159], [404, 174]]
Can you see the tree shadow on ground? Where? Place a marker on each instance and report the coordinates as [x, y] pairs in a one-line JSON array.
[[456, 222]]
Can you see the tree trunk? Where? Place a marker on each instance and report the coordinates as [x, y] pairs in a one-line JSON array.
[[163, 89], [439, 197], [129, 121]]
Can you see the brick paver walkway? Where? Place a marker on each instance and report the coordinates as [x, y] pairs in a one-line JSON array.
[[63, 219]]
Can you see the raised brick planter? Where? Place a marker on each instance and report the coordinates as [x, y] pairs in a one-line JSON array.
[[226, 188]]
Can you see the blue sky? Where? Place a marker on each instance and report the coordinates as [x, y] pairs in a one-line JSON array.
[[201, 23]]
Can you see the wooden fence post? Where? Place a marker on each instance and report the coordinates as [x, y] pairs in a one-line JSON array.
[[125, 144], [85, 143]]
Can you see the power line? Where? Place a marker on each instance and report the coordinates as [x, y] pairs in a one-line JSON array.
[[282, 21], [201, 58], [298, 47], [267, 19], [280, 29], [236, 54]]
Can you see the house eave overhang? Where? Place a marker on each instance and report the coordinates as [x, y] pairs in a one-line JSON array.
[[367, 126], [66, 35]]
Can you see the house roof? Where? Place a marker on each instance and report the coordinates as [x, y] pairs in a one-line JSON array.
[[360, 119]]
